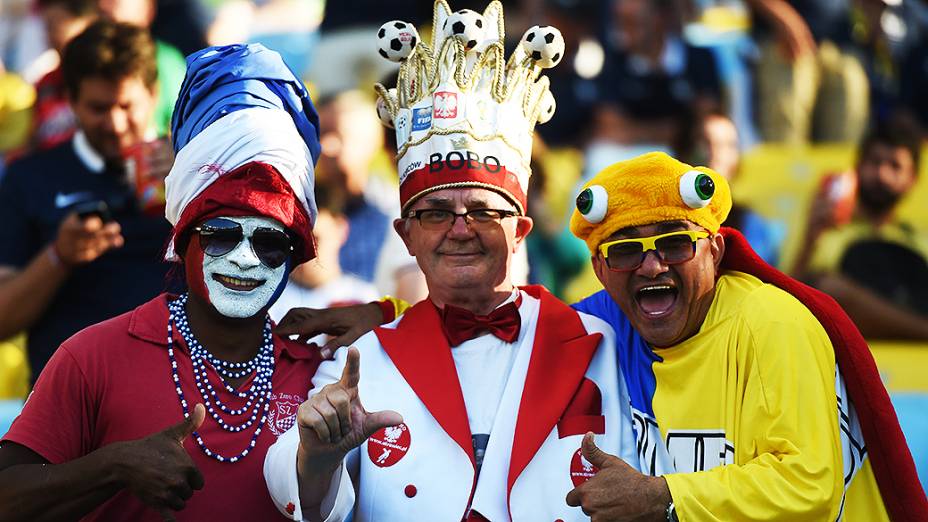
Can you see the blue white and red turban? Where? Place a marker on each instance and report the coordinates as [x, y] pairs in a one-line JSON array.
[[246, 138]]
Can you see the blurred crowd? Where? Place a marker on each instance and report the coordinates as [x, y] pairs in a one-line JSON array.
[[87, 88]]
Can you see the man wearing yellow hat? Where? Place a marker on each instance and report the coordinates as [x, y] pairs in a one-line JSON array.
[[754, 401]]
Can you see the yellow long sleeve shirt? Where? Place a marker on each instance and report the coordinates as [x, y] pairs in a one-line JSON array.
[[749, 412]]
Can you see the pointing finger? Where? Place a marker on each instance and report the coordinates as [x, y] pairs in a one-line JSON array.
[[351, 375]]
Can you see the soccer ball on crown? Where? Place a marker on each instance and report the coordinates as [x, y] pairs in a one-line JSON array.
[[544, 45], [467, 26], [396, 40], [547, 106], [382, 111]]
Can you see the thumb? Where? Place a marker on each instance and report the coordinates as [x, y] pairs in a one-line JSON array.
[[184, 428], [379, 420], [593, 454]]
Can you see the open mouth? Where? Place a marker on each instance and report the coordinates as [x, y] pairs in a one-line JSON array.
[[240, 285], [656, 300]]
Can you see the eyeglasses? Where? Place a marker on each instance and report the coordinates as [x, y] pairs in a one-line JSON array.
[[478, 218], [625, 255], [220, 236]]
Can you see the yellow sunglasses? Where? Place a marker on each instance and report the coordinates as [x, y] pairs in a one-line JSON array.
[[625, 255]]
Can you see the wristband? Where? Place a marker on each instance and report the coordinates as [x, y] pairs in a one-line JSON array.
[[387, 309]]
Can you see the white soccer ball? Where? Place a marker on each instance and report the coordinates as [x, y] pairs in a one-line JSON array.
[[467, 26], [383, 113], [544, 45], [396, 40], [547, 107]]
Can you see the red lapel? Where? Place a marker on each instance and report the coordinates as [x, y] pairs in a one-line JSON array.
[[420, 352], [889, 455], [560, 357]]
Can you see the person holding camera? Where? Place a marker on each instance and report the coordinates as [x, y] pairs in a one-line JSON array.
[[76, 246]]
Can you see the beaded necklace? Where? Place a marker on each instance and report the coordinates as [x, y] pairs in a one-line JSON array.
[[257, 396]]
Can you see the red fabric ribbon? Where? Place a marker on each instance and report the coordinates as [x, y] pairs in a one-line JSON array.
[[462, 325]]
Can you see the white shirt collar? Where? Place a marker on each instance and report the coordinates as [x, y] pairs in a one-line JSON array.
[[86, 153], [512, 297]]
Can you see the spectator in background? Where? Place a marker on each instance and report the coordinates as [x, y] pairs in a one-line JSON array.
[[351, 137], [321, 282], [715, 143], [182, 24], [873, 264], [53, 120], [576, 94], [652, 79], [913, 79], [74, 246], [347, 38], [555, 256], [171, 63], [811, 86], [287, 26]]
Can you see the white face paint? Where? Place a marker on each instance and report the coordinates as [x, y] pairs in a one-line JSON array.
[[239, 284]]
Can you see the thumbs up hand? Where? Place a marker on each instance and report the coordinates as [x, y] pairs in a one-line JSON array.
[[157, 469], [617, 492]]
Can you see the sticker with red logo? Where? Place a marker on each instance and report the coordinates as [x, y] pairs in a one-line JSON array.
[[445, 105], [580, 469], [386, 447]]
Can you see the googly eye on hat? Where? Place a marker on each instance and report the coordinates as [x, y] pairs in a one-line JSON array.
[[593, 203], [696, 188]]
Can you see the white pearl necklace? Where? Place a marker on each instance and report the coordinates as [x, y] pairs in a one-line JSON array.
[[257, 395]]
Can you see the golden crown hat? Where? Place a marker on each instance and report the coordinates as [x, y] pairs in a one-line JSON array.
[[464, 115]]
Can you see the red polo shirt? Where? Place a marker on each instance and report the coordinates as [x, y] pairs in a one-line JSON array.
[[112, 382]]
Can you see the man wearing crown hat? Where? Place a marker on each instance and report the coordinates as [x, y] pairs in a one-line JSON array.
[[754, 396], [473, 405], [171, 407]]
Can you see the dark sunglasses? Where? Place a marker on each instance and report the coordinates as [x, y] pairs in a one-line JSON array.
[[220, 236]]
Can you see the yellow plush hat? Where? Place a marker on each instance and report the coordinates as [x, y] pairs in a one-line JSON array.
[[649, 189]]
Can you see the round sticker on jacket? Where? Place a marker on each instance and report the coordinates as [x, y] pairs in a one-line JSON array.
[[386, 447], [580, 469]]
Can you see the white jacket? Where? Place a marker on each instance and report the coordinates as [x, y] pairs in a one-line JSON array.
[[564, 382]]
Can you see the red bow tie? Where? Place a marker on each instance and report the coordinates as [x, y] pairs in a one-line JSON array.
[[462, 325]]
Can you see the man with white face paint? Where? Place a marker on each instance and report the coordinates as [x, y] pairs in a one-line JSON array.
[[239, 283], [172, 406]]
